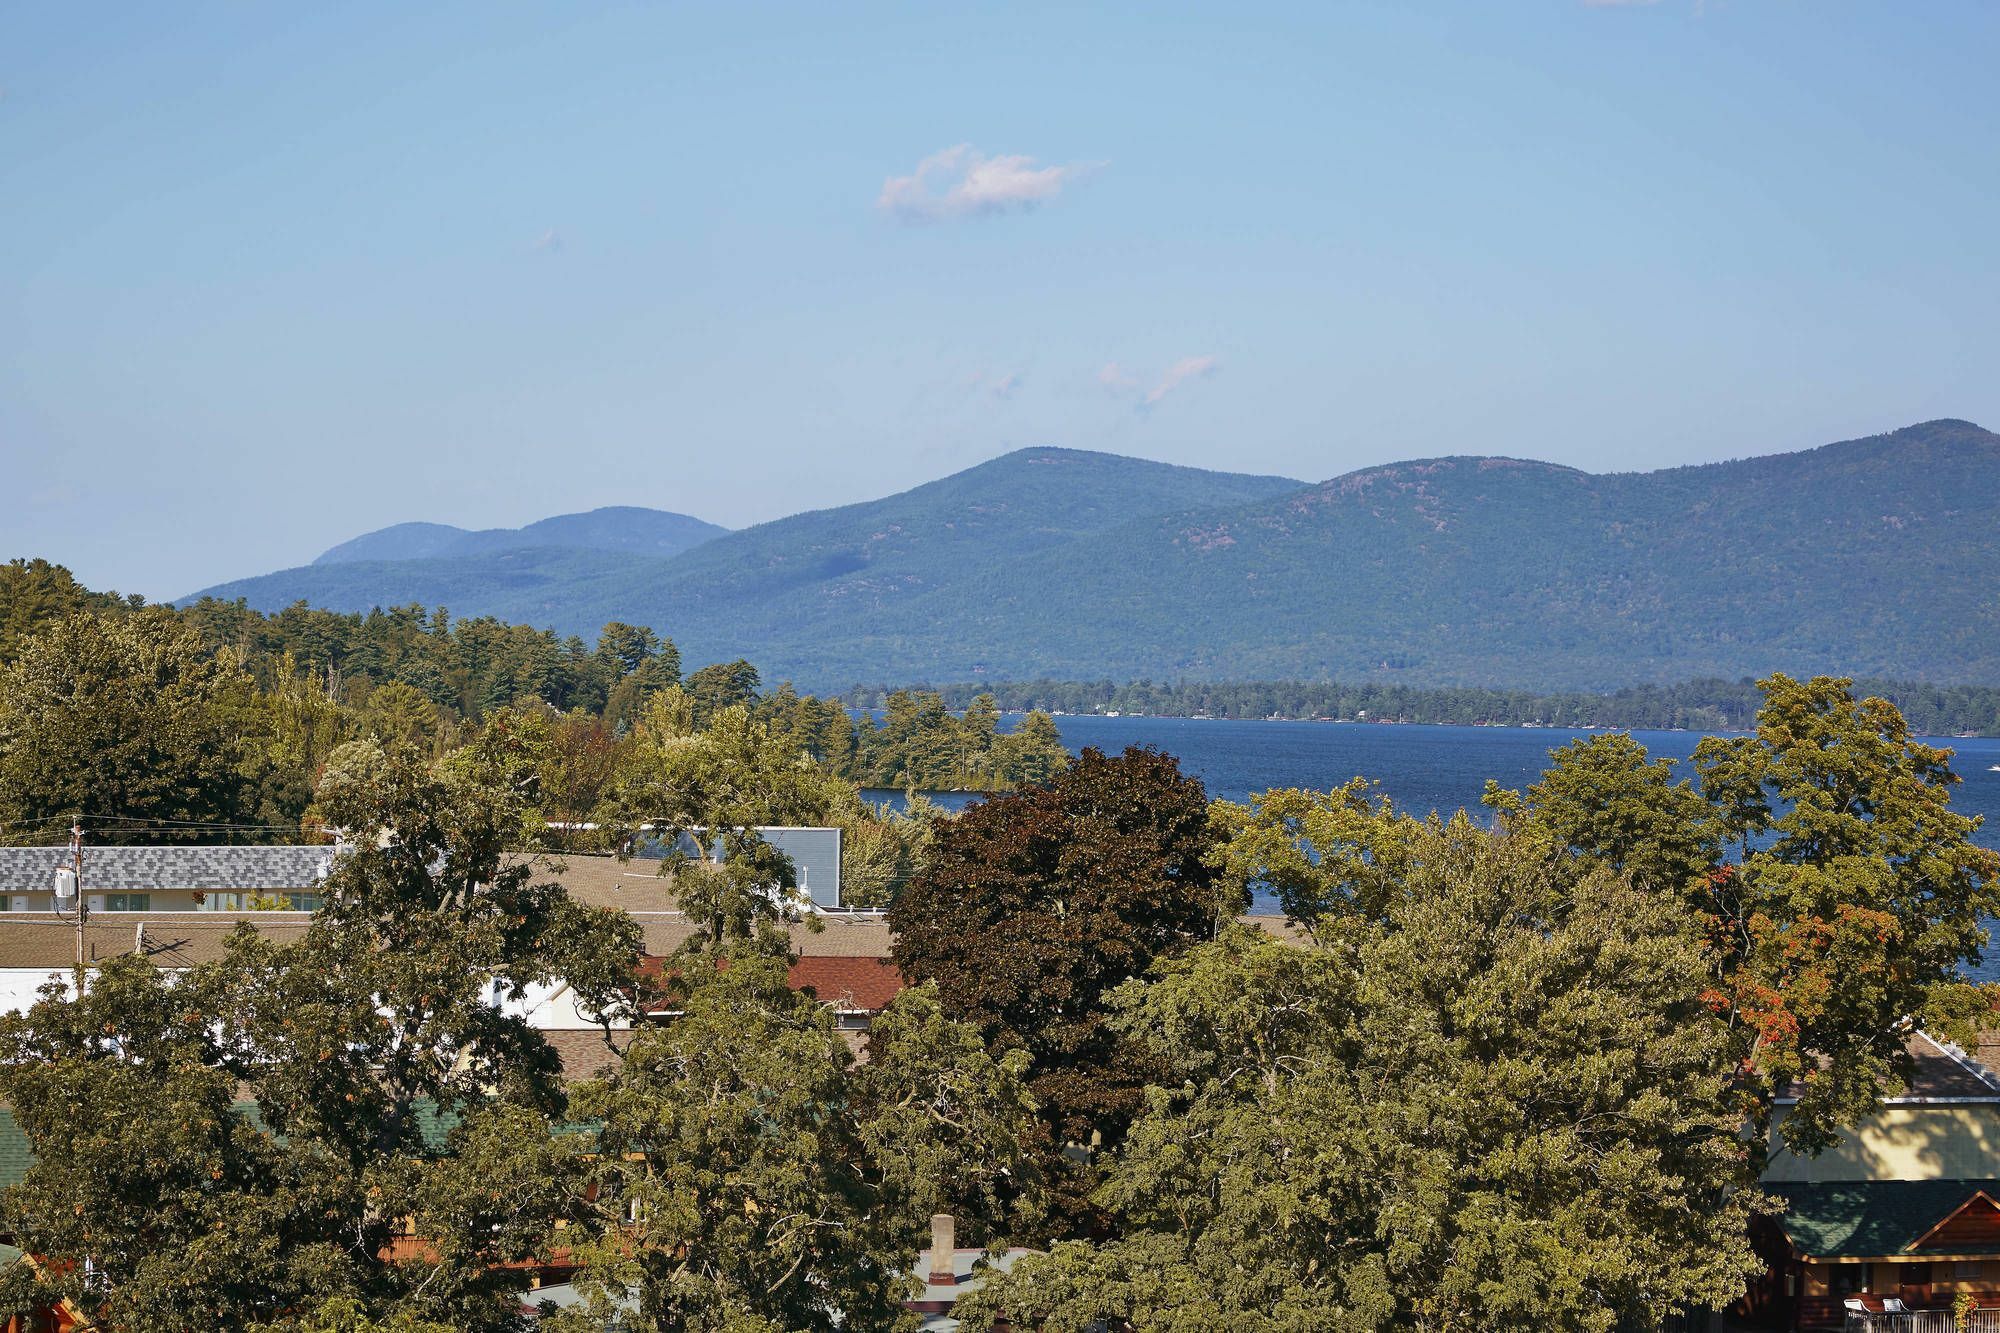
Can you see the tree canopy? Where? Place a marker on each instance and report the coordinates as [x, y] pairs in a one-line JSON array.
[[1493, 1098], [129, 716], [1037, 904], [348, 1117], [1840, 895]]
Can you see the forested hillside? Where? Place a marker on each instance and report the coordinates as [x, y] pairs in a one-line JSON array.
[[1871, 557], [786, 577], [215, 720], [1694, 705]]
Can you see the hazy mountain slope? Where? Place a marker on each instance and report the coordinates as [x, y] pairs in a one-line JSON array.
[[652, 532], [1873, 556], [924, 537], [399, 541], [531, 586], [783, 573]]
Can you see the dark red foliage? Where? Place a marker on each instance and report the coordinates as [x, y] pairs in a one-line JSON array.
[[1037, 904]]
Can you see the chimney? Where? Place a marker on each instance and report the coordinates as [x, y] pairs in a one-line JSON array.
[[944, 1245]]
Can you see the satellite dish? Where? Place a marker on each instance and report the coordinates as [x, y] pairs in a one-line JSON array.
[[65, 884]]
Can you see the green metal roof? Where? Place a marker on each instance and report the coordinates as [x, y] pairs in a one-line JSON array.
[[1865, 1219], [17, 1155]]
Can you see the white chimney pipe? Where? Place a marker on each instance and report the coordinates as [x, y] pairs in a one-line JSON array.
[[944, 1247]]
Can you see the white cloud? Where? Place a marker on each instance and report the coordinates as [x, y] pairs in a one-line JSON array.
[[1115, 380], [549, 242], [1007, 385], [962, 182], [1179, 373]]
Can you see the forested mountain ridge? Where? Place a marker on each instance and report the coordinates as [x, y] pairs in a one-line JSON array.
[[789, 571], [1870, 557], [627, 528], [1025, 501]]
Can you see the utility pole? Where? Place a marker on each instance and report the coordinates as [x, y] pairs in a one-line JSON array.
[[82, 903], [69, 884]]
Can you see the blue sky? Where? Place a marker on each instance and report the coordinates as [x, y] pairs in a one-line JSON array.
[[272, 275]]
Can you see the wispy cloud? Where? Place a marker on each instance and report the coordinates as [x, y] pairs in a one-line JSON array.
[[1179, 373], [1130, 385], [1116, 380], [1007, 385], [962, 182], [549, 242]]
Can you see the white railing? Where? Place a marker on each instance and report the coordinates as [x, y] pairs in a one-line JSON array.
[[1922, 1321]]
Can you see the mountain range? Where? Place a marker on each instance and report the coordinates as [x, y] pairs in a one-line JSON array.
[[1873, 557], [650, 532]]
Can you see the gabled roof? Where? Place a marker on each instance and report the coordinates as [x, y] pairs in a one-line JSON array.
[[148, 869], [863, 983], [1938, 1073], [848, 984], [1873, 1219]]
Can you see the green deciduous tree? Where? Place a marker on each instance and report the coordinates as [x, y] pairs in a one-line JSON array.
[[1494, 1100], [344, 1117], [401, 713], [1840, 893], [128, 715], [700, 794], [882, 850], [343, 1314], [751, 1177]]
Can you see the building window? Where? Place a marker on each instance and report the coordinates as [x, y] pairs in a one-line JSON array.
[[302, 902], [1847, 1279], [128, 902], [6, 902], [1968, 1270]]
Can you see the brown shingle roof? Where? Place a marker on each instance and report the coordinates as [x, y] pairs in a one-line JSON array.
[[605, 881], [583, 1051], [851, 984], [863, 982], [1943, 1073], [1939, 1073], [171, 939]]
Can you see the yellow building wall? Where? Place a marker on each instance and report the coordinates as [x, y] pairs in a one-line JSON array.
[[1914, 1142]]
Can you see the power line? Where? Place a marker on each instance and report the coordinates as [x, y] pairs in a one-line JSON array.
[[25, 823], [192, 823], [150, 819]]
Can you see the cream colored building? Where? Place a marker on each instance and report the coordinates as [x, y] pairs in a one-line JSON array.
[[1905, 1207]]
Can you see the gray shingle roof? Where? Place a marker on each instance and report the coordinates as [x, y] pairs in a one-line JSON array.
[[141, 869]]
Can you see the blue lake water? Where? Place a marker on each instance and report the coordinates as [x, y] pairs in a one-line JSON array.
[[1423, 768]]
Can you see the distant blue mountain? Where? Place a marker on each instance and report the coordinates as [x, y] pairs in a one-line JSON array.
[[797, 572], [623, 528], [1873, 557]]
